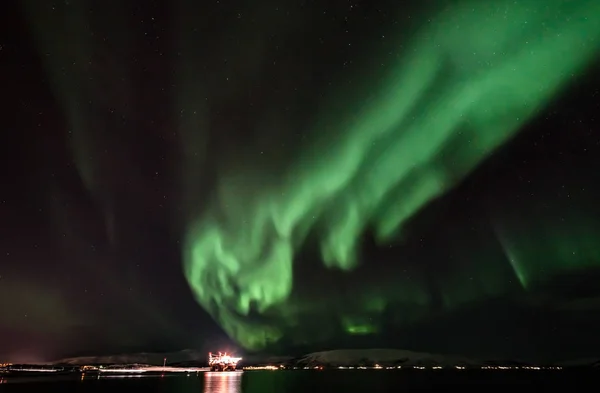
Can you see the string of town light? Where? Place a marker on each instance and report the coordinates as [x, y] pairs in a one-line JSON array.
[[223, 362], [378, 367]]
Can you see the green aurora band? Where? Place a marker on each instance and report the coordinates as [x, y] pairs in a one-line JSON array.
[[466, 83], [470, 79]]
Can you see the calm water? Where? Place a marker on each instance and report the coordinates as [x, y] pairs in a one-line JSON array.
[[346, 381]]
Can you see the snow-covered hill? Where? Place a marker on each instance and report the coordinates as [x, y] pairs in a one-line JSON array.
[[383, 357], [187, 355], [334, 358]]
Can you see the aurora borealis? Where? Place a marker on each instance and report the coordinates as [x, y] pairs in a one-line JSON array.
[[313, 175], [443, 107]]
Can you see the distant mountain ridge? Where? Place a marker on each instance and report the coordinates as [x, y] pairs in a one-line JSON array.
[[383, 357], [332, 358], [186, 357]]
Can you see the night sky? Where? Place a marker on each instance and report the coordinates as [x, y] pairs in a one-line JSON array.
[[283, 177]]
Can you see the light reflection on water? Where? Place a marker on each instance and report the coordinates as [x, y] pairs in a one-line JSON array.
[[223, 382], [336, 381]]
